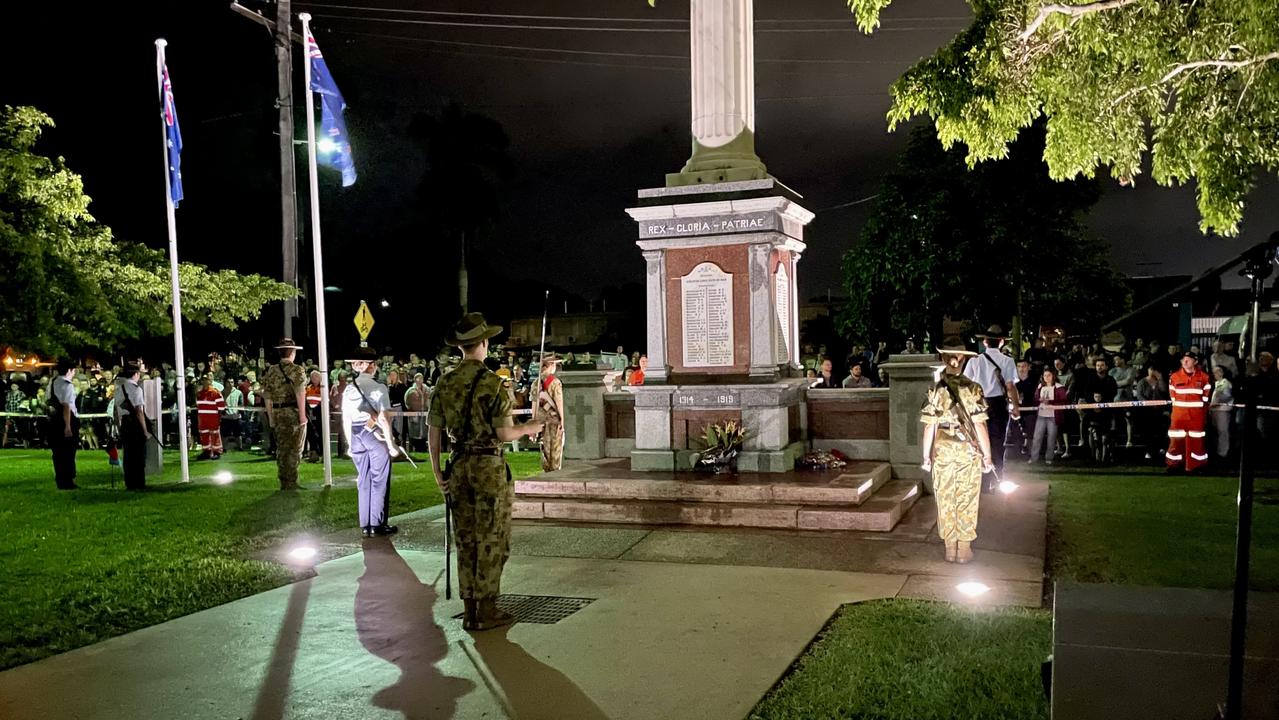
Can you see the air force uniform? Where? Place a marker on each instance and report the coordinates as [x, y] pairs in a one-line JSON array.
[[982, 370], [364, 398]]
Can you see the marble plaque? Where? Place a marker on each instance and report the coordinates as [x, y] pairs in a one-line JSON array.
[[707, 302], [781, 306]]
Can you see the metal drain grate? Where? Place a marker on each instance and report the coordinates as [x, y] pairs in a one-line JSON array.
[[540, 609]]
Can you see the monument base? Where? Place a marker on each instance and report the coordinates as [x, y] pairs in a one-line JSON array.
[[671, 419]]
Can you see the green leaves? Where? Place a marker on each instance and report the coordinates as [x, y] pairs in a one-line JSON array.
[[69, 285], [946, 241], [1193, 86]]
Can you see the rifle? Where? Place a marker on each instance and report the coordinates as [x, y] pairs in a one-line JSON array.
[[965, 420]]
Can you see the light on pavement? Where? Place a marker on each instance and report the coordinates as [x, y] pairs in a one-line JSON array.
[[302, 553], [1008, 487], [972, 588], [223, 477]]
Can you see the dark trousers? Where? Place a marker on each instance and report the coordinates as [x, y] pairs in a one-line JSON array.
[[134, 444], [64, 450], [997, 427]]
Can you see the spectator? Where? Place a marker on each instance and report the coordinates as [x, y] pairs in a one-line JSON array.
[[826, 378], [637, 377], [1221, 409], [883, 377], [232, 422], [1151, 423], [1125, 377], [855, 377], [416, 400], [335, 401], [1220, 359], [313, 448], [1047, 394], [1026, 386]]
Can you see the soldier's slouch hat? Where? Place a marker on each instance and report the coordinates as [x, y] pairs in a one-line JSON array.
[[286, 343], [361, 353], [954, 345], [472, 329]]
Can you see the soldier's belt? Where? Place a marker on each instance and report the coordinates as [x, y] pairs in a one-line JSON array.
[[490, 451]]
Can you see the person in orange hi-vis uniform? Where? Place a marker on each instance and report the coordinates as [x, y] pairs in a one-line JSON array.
[[209, 405], [1191, 392]]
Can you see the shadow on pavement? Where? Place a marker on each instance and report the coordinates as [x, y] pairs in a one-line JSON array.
[[532, 688], [394, 617], [273, 695]]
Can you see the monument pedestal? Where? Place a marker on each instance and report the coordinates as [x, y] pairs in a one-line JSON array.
[[722, 321], [910, 377], [670, 419]]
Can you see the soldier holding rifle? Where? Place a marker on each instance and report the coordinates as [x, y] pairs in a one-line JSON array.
[[472, 406], [365, 404], [956, 449]]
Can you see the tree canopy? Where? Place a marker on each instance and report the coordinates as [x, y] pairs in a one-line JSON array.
[[1195, 84], [946, 241], [69, 285]]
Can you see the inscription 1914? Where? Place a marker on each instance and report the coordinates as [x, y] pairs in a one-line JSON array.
[[707, 399]]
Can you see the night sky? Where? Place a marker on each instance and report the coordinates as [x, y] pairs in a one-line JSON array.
[[587, 128]]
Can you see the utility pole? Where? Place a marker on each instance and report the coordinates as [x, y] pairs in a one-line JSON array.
[[288, 174], [282, 34]]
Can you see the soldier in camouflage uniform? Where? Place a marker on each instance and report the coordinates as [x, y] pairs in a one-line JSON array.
[[472, 406], [284, 390], [956, 449], [550, 411]]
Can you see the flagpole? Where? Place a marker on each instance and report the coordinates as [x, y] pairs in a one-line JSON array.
[[320, 330], [173, 275]]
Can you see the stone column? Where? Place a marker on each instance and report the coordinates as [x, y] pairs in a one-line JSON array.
[[763, 365], [793, 350], [723, 94], [909, 378], [584, 432], [655, 280], [653, 449]]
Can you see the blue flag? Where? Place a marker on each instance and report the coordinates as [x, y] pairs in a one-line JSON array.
[[174, 134], [334, 139]]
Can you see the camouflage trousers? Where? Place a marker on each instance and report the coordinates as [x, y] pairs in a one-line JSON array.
[[481, 492], [288, 436], [957, 487], [552, 446]]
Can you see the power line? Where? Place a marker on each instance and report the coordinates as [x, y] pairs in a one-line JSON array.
[[602, 53], [581, 18], [589, 28]]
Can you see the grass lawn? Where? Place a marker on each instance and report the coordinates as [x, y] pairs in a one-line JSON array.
[[1153, 529], [916, 660], [85, 565]]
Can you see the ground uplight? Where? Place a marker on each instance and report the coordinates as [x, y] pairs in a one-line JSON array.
[[223, 477], [1007, 487], [302, 553], [972, 588]]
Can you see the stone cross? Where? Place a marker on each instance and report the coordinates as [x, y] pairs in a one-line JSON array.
[[580, 410]]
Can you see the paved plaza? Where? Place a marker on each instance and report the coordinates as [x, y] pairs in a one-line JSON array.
[[682, 624]]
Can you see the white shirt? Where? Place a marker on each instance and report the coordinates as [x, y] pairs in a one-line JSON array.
[[354, 408], [982, 371], [131, 390], [64, 391]]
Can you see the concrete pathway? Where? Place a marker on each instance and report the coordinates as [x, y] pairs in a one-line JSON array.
[[684, 624]]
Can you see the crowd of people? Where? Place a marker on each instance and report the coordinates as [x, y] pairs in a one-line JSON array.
[[225, 400], [1053, 373]]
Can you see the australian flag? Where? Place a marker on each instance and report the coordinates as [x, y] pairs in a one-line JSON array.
[[332, 127], [174, 135]]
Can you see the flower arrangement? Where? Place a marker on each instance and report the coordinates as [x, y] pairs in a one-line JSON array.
[[720, 444]]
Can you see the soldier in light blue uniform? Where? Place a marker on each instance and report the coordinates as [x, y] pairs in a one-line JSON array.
[[368, 433]]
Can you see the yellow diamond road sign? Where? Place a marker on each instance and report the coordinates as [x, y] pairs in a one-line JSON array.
[[363, 321]]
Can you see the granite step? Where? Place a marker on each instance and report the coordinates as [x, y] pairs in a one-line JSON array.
[[880, 513], [852, 487]]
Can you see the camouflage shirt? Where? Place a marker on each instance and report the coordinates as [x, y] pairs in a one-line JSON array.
[[939, 408], [490, 410], [281, 383]]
